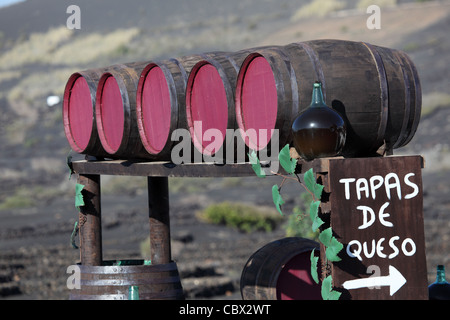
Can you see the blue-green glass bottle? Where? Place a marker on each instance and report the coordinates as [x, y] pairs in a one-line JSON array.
[[440, 289], [133, 293]]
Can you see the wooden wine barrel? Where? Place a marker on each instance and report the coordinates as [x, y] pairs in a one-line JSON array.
[[210, 106], [281, 270], [116, 112], [111, 282], [160, 106], [375, 89], [266, 98], [80, 126]]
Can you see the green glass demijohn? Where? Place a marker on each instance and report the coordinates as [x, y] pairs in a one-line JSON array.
[[318, 131]]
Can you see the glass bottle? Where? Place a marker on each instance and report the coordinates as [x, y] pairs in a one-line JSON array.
[[319, 131], [133, 293], [440, 289]]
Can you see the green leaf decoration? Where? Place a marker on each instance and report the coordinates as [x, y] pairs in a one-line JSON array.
[[79, 201], [313, 213], [327, 290], [277, 200], [286, 161], [326, 287], [334, 295], [325, 237], [309, 179], [311, 184], [314, 209], [316, 224], [256, 165], [318, 188], [333, 249], [332, 244], [314, 261]]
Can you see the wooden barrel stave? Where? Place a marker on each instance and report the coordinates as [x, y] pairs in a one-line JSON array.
[[399, 98], [414, 90], [306, 63]]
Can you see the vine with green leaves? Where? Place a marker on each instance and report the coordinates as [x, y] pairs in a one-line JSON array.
[[332, 245]]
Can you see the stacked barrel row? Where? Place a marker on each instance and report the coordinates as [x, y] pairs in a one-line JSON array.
[[131, 110]]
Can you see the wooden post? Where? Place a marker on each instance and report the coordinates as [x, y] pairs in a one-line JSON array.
[[90, 221], [158, 204], [324, 213]]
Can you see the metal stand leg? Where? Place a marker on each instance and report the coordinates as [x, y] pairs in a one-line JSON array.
[[158, 203]]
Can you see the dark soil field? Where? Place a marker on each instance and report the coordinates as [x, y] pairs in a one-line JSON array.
[[38, 54]]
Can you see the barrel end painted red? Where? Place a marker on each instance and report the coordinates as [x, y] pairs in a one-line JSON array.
[[207, 107], [79, 112]]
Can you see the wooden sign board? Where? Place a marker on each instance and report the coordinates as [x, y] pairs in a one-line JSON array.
[[377, 213]]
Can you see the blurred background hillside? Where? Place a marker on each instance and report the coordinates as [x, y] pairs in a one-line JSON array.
[[38, 53]]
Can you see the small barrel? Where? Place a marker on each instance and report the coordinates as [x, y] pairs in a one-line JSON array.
[[116, 112], [281, 270], [78, 111], [112, 282], [210, 109]]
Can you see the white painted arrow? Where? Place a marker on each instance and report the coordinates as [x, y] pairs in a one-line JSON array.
[[394, 280]]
